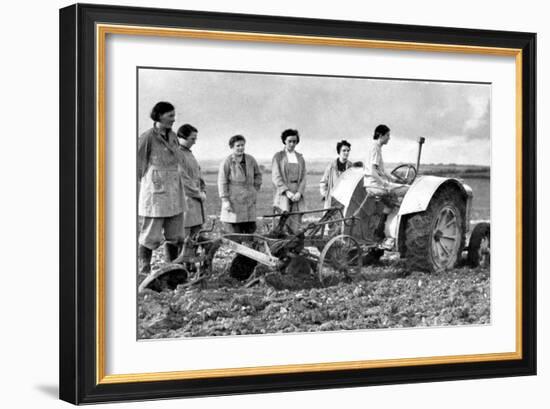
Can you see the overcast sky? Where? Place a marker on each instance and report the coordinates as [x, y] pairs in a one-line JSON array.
[[454, 118]]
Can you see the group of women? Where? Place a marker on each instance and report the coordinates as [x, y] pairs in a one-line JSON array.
[[172, 193], [239, 180]]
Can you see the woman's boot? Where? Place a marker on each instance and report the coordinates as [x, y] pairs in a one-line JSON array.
[[171, 252], [144, 260]]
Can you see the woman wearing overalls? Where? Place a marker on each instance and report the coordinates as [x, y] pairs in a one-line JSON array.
[[162, 201], [288, 173], [239, 180]]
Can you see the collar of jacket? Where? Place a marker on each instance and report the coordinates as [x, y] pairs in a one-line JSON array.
[[168, 143], [234, 158], [347, 162], [156, 129]]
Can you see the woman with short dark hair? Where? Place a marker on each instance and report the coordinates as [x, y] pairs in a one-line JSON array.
[[161, 195], [288, 172], [380, 130], [193, 184], [239, 180], [333, 171], [377, 180]]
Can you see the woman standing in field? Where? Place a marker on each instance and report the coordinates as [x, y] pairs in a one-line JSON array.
[[239, 180], [333, 172], [161, 194], [193, 183], [288, 173]]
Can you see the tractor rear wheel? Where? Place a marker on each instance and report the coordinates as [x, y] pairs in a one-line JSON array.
[[435, 238]]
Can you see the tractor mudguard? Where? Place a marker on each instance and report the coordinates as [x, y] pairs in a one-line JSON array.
[[418, 198], [421, 191]]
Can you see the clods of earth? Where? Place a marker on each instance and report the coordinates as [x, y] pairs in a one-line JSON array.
[[385, 295]]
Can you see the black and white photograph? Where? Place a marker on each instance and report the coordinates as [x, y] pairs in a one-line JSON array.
[[276, 203]]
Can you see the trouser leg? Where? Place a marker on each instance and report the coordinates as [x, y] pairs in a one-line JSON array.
[[150, 237], [384, 196], [174, 228], [150, 234]]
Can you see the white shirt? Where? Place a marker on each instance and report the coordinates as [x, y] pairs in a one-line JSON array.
[[291, 157], [372, 178]]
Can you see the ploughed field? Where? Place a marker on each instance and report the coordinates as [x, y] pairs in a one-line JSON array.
[[386, 295]]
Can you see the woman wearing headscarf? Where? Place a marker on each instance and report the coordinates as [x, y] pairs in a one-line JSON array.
[[239, 180], [333, 172], [288, 172], [161, 195]]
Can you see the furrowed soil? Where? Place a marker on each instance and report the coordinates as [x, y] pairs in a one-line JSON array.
[[385, 295]]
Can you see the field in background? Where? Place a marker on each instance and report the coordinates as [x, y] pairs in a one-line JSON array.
[[317, 167], [480, 187]]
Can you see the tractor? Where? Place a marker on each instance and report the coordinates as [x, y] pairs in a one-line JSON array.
[[428, 226]]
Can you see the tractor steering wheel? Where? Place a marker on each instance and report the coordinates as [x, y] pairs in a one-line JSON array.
[[405, 173]]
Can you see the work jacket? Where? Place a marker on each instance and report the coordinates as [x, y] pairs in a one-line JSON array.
[[161, 191], [282, 182], [193, 186], [329, 180], [240, 188]]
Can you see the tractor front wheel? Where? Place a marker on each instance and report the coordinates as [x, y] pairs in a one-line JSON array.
[[434, 238]]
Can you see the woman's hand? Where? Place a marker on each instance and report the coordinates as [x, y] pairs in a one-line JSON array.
[[289, 195], [203, 196], [297, 197], [227, 206]]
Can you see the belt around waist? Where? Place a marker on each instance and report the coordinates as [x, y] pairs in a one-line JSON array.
[[293, 181]]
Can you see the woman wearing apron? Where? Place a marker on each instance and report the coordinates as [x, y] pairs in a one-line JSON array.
[[288, 173], [239, 180]]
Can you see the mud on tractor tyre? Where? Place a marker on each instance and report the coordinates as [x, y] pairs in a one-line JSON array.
[[435, 238]]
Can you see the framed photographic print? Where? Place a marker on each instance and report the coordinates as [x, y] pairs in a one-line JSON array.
[[258, 203]]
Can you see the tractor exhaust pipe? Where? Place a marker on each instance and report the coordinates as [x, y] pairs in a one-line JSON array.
[[421, 141]]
